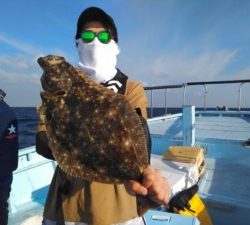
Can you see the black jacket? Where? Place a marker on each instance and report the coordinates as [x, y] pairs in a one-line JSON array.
[[8, 139]]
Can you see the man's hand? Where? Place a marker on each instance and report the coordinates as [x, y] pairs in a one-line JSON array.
[[154, 185]]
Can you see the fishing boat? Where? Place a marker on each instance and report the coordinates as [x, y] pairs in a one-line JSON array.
[[224, 187]]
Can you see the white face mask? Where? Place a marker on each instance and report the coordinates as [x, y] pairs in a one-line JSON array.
[[98, 60]]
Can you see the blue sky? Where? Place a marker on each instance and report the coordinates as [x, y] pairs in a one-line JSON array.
[[161, 42]]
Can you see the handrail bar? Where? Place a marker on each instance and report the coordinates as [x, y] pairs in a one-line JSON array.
[[184, 85], [164, 87], [196, 83], [219, 82]]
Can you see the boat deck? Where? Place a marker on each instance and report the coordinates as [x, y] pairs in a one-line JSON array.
[[226, 183], [32, 216], [232, 126], [225, 186]]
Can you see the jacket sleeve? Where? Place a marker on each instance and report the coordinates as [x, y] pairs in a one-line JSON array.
[[9, 147], [137, 98], [42, 143], [148, 137]]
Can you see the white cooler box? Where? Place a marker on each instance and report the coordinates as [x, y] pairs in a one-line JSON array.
[[179, 175]]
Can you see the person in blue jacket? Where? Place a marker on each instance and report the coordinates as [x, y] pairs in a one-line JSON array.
[[8, 154]]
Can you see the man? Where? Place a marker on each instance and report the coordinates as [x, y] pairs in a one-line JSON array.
[[74, 201], [8, 154]]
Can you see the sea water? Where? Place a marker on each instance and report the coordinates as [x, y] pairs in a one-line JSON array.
[[28, 121]]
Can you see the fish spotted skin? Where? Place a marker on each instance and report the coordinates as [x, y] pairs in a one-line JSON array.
[[93, 132]]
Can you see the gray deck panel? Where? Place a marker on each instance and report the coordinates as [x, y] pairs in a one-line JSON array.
[[213, 127]]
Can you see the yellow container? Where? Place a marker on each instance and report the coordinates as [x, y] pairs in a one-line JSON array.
[[197, 209]]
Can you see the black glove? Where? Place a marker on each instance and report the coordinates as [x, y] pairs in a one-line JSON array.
[[181, 200]]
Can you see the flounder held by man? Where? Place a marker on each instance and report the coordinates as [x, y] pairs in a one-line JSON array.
[[93, 132]]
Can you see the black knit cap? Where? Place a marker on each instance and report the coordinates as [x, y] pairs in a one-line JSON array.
[[96, 14]]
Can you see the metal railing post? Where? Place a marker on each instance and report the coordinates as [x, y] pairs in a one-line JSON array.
[[151, 104], [205, 97], [239, 98], [184, 94], [188, 125], [184, 86], [166, 111]]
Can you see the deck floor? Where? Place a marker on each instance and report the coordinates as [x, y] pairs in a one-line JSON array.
[[206, 127], [33, 216]]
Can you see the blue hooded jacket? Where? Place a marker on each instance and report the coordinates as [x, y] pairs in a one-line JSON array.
[[8, 139]]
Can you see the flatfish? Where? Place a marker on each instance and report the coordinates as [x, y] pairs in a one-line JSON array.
[[93, 132]]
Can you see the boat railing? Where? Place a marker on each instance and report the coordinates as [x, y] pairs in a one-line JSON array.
[[26, 158], [184, 87]]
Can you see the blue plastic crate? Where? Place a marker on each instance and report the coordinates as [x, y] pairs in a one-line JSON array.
[[154, 217]]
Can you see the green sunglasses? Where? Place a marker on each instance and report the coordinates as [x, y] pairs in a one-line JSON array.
[[89, 36]]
